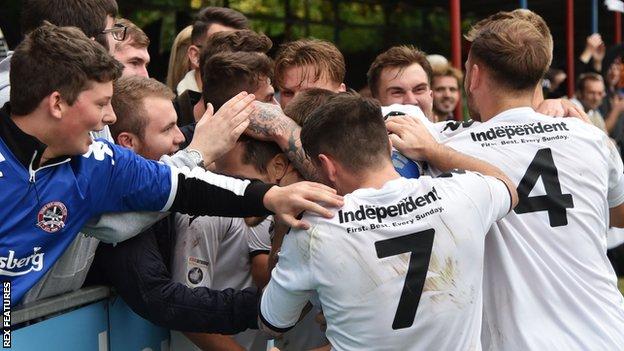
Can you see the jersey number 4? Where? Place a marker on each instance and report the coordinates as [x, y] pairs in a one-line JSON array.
[[554, 201], [419, 245]]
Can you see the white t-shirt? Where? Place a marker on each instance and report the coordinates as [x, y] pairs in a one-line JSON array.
[[548, 284], [214, 252], [431, 229]]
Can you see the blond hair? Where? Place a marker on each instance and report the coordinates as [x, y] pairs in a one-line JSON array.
[[515, 52], [179, 63], [448, 71], [323, 56], [522, 14]]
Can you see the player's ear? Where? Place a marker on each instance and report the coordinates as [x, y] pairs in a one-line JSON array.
[[277, 167], [55, 104], [475, 77], [128, 140], [193, 55], [328, 166]]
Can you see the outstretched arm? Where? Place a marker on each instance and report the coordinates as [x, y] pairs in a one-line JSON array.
[[268, 122], [413, 140]]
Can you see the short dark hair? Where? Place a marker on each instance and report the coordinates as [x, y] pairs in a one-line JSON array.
[[351, 129], [239, 40], [221, 15], [258, 153], [228, 73], [302, 106], [59, 59], [585, 77], [87, 15], [128, 95], [398, 56]]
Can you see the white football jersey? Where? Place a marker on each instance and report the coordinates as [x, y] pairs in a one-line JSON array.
[[397, 268], [412, 111], [548, 284], [214, 252]]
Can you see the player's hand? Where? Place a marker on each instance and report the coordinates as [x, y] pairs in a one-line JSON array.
[[411, 138], [617, 103], [594, 42], [321, 321], [268, 122], [216, 133], [562, 108], [290, 201]]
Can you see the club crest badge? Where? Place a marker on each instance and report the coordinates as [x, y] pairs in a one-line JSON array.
[[52, 216]]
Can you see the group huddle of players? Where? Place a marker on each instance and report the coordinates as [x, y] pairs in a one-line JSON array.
[[513, 258]]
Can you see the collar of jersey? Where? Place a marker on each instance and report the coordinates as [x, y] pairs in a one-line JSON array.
[[390, 186], [512, 112], [22, 145]]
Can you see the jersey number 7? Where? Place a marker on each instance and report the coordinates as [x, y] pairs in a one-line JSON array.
[[420, 245], [554, 201]]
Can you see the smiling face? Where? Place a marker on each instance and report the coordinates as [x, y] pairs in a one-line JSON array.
[[405, 85], [445, 94], [90, 112]]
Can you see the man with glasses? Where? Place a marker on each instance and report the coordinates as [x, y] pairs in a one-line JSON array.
[[131, 48], [118, 31], [95, 18]]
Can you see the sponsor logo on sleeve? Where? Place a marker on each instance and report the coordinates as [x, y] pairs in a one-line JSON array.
[[99, 150], [52, 217]]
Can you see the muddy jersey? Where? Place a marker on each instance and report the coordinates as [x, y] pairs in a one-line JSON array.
[[397, 268], [548, 284]]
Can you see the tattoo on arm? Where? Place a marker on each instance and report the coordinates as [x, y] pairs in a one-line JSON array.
[[297, 156], [267, 121]]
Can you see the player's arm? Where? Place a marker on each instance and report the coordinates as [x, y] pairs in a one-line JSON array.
[[413, 140], [616, 216], [615, 194], [268, 122], [279, 231], [289, 289], [206, 193], [259, 246], [130, 183], [117, 227], [260, 269], [138, 272], [214, 342]]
